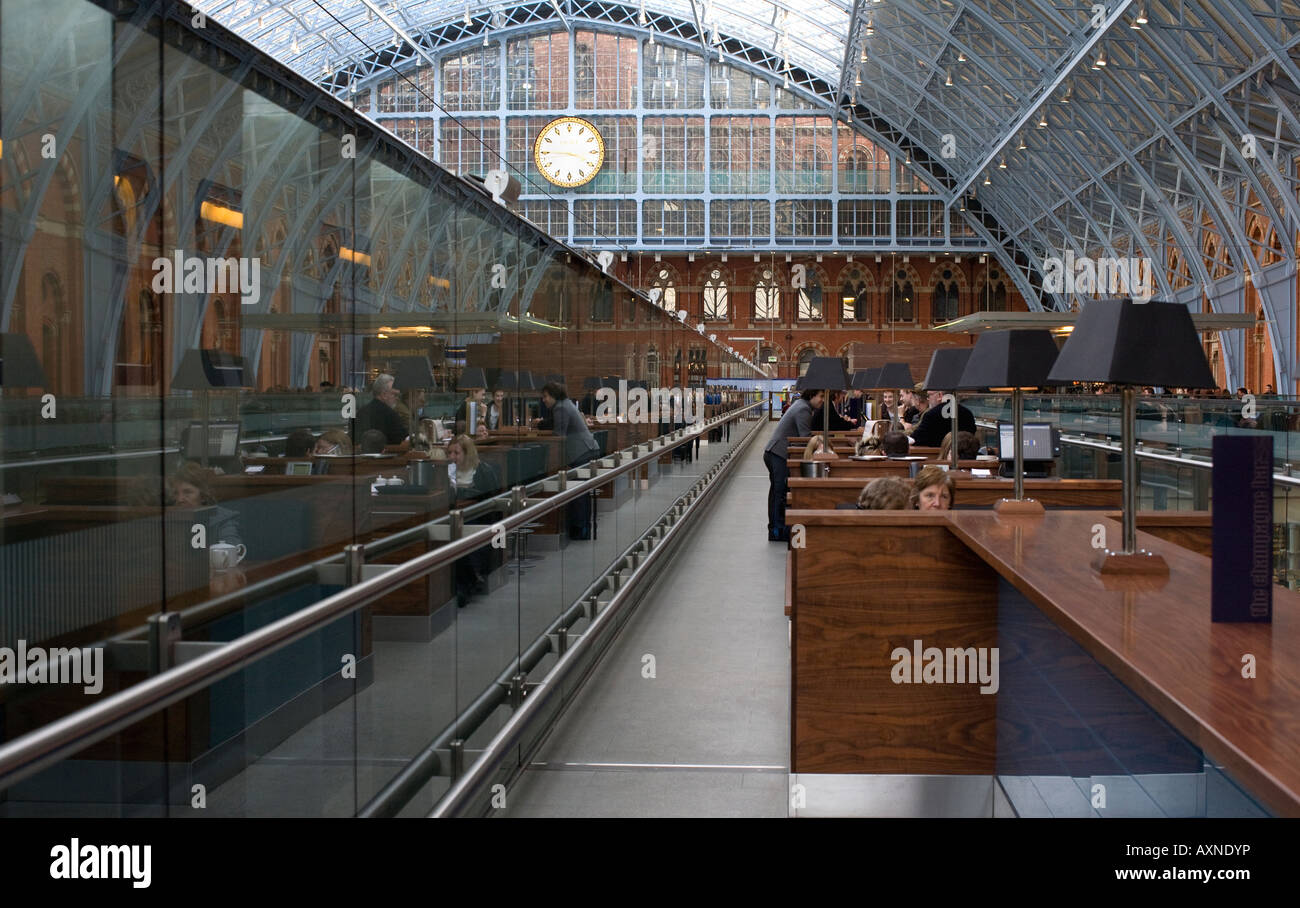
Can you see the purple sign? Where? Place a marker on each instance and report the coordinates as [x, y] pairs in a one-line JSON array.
[[1242, 567]]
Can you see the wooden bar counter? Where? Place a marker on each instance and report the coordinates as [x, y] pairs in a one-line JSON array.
[[1154, 637]]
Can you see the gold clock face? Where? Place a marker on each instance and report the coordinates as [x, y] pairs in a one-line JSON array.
[[569, 151]]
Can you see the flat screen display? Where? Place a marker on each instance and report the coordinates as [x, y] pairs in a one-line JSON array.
[[1038, 441], [222, 440]]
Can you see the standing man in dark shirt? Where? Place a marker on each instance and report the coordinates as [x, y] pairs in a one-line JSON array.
[[934, 425], [379, 413], [796, 423], [579, 448]]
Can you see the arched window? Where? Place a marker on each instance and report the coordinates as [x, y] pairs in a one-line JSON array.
[[663, 279], [652, 365], [715, 297], [854, 298], [767, 297], [945, 303], [602, 306], [901, 308], [806, 356], [810, 299], [766, 355]]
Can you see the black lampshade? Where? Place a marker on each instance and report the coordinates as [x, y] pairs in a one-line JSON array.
[[609, 381], [946, 366], [591, 384], [555, 377], [826, 372], [206, 370], [1019, 358], [1128, 343], [895, 375], [412, 373], [19, 367], [471, 377], [865, 379]]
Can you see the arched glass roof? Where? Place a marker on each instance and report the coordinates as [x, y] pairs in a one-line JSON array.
[[1165, 130]]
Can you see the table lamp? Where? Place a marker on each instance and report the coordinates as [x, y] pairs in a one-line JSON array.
[[1133, 344], [944, 374], [1011, 360], [412, 373], [827, 373]]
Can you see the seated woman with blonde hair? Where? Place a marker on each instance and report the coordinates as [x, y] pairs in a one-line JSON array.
[[933, 490], [470, 477], [815, 450], [333, 441]]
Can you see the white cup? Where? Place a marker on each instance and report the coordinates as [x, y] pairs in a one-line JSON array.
[[225, 556]]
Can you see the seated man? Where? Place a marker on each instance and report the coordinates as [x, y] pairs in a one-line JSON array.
[[894, 444], [935, 425], [838, 423], [380, 414], [373, 442], [299, 443]]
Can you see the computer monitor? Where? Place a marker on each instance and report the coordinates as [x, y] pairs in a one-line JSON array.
[[221, 438], [1039, 440], [298, 468]]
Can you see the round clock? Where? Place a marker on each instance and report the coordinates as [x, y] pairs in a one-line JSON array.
[[569, 151]]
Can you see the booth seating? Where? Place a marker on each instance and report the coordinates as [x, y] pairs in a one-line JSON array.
[[1094, 679]]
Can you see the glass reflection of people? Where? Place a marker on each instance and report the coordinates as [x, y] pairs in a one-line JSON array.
[[579, 448], [332, 442], [478, 397], [189, 487], [380, 413], [471, 478], [496, 410]]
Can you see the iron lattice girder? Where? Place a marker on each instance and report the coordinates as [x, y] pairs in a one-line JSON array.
[[1007, 42]]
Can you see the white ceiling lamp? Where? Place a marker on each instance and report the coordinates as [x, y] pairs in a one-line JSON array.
[[1021, 146], [1101, 59], [293, 47], [871, 29], [1141, 19], [1042, 120], [948, 81], [961, 56], [987, 181]]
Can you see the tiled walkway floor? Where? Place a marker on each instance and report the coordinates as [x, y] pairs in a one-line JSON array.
[[709, 734]]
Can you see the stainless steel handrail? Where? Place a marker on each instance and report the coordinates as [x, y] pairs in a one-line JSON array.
[[66, 736], [466, 789]]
